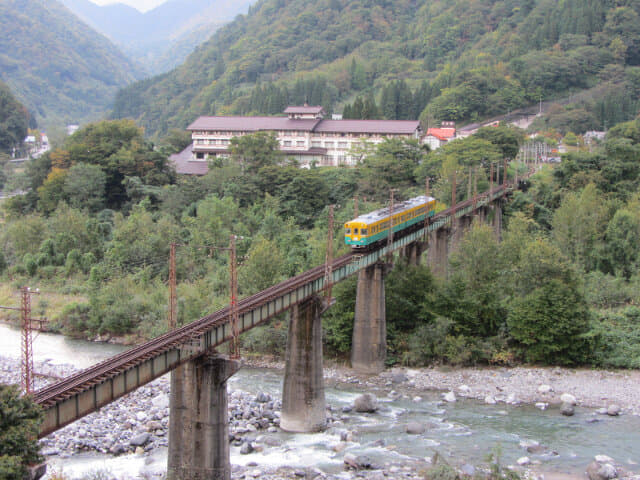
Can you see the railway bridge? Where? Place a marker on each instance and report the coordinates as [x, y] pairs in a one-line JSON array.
[[198, 430]]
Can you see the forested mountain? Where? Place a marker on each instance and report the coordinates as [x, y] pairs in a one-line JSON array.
[[162, 37], [57, 66], [14, 120], [455, 60]]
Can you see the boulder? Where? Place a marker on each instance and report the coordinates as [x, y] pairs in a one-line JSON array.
[[246, 448], [597, 471], [568, 398], [360, 462], [603, 459], [140, 440], [542, 405], [567, 409], [613, 410], [522, 461], [263, 397], [490, 400], [415, 428], [367, 403], [464, 389], [468, 470], [545, 389], [161, 401], [449, 397]]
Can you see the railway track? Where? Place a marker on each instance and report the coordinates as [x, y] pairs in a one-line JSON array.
[[81, 381]]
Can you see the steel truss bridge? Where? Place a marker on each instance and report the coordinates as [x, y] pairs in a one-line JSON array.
[[88, 390]]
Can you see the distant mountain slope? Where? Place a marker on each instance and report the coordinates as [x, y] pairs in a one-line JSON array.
[[56, 65], [164, 36], [439, 59]]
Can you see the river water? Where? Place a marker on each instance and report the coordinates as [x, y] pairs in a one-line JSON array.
[[464, 432]]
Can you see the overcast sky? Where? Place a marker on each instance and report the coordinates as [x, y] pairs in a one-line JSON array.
[[142, 5]]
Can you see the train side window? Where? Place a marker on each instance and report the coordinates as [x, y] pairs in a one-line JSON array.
[[363, 231], [347, 231]]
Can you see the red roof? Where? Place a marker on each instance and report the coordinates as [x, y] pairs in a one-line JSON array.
[[444, 134]]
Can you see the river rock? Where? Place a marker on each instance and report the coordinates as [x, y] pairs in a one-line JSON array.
[[490, 400], [415, 428], [568, 398], [449, 397], [140, 440], [359, 462], [613, 410], [367, 403], [522, 461], [567, 409], [398, 377], [246, 448], [263, 397], [161, 401], [468, 470], [542, 405], [545, 389], [596, 471], [464, 389], [603, 459], [272, 441]]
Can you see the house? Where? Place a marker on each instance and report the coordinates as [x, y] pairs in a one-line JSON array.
[[303, 134], [437, 137]]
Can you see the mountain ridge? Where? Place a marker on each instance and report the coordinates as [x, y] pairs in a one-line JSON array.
[[58, 67]]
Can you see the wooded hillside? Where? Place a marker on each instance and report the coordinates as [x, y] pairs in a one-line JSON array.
[[58, 67], [457, 60]]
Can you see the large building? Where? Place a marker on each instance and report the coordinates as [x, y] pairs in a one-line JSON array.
[[303, 134]]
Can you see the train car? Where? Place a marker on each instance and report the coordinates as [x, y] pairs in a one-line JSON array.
[[373, 227]]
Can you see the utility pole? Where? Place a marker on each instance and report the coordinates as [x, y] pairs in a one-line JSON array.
[[27, 342], [391, 209], [475, 187], [233, 308], [491, 179], [453, 194], [173, 297], [328, 262]]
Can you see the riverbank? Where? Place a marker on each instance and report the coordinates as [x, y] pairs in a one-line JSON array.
[[135, 428], [517, 385]]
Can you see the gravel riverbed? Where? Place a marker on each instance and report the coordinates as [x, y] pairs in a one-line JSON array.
[[138, 422]]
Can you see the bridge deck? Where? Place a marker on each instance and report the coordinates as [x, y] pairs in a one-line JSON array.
[[88, 390]]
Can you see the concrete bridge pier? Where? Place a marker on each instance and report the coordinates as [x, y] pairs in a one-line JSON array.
[[438, 254], [369, 342], [303, 402], [497, 219], [413, 252], [198, 421]]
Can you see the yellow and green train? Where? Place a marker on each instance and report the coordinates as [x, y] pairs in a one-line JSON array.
[[373, 227]]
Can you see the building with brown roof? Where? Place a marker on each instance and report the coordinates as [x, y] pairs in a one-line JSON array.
[[303, 134]]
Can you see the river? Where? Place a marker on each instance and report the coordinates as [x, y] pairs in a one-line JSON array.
[[463, 432]]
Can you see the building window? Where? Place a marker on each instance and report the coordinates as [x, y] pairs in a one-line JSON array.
[[328, 144], [200, 141], [287, 143], [200, 155], [316, 144], [342, 144], [300, 143]]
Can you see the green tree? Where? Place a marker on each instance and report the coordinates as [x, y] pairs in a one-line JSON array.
[[622, 249], [84, 186], [548, 324], [579, 224], [256, 151], [507, 139], [19, 426], [262, 268], [13, 120]]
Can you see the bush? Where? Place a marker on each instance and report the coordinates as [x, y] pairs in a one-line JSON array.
[[549, 323], [30, 265], [74, 320], [616, 339]]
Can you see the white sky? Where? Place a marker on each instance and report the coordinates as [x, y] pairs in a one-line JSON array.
[[142, 5]]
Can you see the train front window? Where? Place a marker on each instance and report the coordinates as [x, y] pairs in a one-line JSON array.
[[347, 231], [355, 231], [363, 231]]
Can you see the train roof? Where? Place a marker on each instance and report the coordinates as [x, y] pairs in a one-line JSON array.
[[397, 208]]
